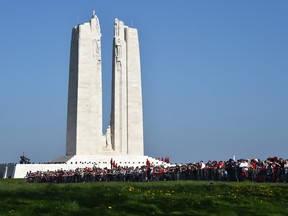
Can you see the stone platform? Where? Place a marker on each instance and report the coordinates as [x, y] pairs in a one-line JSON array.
[[82, 161]]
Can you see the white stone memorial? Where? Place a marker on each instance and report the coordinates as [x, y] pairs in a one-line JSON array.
[[84, 120], [126, 111], [124, 136], [86, 145]]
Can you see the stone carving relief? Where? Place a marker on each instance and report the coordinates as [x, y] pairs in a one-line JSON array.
[[118, 48], [96, 46], [116, 28], [108, 138]]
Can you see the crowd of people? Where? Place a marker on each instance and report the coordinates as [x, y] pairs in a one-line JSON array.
[[272, 169]]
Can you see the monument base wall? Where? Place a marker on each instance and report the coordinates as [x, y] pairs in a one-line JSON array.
[[82, 161], [7, 170]]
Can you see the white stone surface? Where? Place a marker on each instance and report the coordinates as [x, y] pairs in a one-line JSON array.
[[135, 141], [124, 135], [119, 91], [84, 121], [82, 161], [126, 111]]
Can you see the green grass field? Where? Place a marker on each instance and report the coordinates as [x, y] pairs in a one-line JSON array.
[[146, 198]]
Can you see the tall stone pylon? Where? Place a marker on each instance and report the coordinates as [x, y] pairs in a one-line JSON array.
[[85, 144], [84, 117], [126, 111], [124, 135]]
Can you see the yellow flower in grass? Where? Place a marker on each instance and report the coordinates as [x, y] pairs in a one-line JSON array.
[[131, 189]]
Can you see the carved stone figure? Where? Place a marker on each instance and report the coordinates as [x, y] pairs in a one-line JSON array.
[[118, 48], [116, 27], [96, 47], [108, 137]]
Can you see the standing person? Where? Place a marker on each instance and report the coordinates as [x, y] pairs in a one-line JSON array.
[[286, 171]]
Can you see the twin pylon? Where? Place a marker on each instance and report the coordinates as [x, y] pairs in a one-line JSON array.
[[124, 135]]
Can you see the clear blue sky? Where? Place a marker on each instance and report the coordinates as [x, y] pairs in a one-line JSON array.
[[214, 76]]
